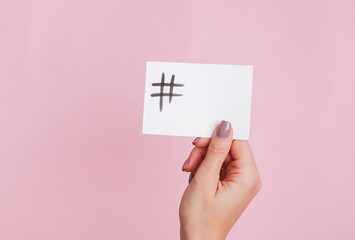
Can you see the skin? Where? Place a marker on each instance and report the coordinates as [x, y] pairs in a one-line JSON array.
[[215, 198]]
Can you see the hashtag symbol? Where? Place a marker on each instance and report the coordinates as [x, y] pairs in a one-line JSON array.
[[171, 86]]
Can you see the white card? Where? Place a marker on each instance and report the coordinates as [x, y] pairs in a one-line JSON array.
[[196, 97]]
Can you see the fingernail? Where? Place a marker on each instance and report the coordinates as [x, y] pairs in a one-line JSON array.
[[196, 140], [185, 164], [224, 129], [191, 177]]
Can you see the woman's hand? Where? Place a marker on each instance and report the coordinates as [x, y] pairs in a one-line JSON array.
[[223, 181]]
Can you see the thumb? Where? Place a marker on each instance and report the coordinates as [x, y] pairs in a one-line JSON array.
[[217, 151]]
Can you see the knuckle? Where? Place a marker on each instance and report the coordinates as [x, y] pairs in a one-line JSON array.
[[217, 149], [259, 185], [254, 184]]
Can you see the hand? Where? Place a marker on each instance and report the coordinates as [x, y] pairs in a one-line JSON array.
[[224, 179]]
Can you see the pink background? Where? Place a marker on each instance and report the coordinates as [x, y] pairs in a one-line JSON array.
[[73, 161]]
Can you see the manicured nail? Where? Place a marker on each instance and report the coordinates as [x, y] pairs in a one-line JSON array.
[[196, 140], [224, 129], [191, 177], [185, 164]]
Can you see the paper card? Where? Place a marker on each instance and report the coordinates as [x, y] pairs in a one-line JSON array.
[[190, 99]]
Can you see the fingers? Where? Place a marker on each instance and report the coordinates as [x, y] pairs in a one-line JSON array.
[[243, 165], [194, 160], [241, 152], [217, 151], [201, 142], [196, 157]]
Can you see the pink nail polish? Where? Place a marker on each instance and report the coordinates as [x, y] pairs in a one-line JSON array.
[[191, 176], [196, 140], [224, 129], [185, 164]]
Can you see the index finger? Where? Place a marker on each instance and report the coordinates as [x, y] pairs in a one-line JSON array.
[[201, 142]]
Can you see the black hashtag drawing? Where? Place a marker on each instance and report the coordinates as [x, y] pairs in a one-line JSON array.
[[171, 85]]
